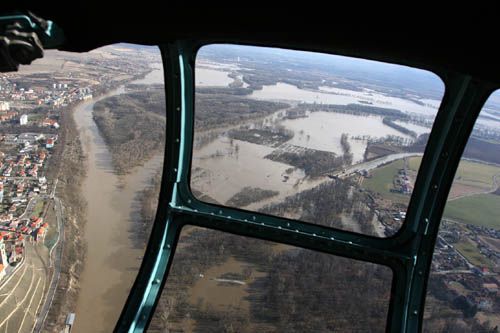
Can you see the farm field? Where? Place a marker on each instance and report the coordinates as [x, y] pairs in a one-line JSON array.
[[381, 180], [480, 209]]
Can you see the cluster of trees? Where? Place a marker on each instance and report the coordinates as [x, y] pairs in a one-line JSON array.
[[324, 205], [375, 150], [298, 290], [314, 162], [200, 250], [448, 311], [346, 148], [264, 74], [264, 135], [355, 109], [250, 195], [307, 291], [218, 110], [236, 91], [66, 164], [148, 204], [12, 127], [133, 126], [419, 144], [391, 123]]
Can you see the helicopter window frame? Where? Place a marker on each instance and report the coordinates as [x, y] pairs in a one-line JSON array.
[[408, 253], [405, 230]]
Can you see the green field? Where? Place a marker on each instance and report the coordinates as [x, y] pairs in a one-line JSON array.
[[414, 163], [471, 252], [476, 174], [36, 117], [38, 209], [382, 178], [480, 209], [469, 173], [51, 237]]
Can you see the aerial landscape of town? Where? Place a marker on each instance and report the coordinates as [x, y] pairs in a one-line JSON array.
[[323, 139]]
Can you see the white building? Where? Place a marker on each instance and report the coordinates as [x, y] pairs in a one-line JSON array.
[[3, 260], [23, 120], [4, 106]]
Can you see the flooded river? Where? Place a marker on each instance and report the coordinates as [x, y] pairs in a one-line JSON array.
[[329, 95], [112, 261], [323, 130]]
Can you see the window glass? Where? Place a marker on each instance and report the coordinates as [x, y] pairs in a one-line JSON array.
[[81, 148], [463, 286], [220, 282], [325, 139]]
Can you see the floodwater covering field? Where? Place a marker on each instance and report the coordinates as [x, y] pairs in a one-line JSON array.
[[206, 77], [329, 95], [323, 130], [221, 172], [225, 166]]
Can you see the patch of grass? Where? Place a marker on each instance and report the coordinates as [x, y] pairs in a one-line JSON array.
[[414, 162], [476, 174], [382, 180], [469, 250], [458, 287], [480, 210], [36, 117], [51, 237], [37, 211], [469, 173]]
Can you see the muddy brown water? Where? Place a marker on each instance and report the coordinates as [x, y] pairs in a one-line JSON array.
[[112, 259]]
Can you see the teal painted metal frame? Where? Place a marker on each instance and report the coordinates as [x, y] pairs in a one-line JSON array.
[[408, 253]]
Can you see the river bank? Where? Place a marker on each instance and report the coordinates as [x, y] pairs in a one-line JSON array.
[[113, 209], [72, 171]]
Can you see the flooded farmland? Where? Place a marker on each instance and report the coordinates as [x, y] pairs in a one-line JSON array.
[[329, 95], [206, 77], [323, 130]]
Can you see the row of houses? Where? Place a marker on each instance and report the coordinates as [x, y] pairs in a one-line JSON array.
[[25, 164], [30, 141], [14, 233], [59, 94], [20, 183]]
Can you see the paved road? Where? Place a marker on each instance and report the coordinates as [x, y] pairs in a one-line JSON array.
[[56, 263], [373, 164], [455, 271], [30, 206]]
